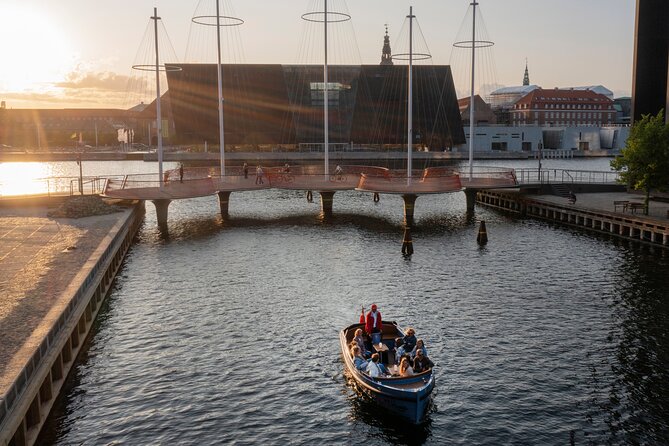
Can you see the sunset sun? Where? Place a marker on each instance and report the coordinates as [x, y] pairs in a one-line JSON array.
[[39, 53]]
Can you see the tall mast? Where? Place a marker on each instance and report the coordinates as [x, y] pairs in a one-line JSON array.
[[326, 92], [471, 97], [159, 129], [410, 97], [221, 134]]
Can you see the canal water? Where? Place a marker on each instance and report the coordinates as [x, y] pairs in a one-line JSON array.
[[226, 332]]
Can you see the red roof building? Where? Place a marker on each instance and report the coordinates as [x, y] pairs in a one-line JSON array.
[[563, 108]]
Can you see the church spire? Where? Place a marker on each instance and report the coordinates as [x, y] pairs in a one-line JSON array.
[[526, 78], [386, 58]]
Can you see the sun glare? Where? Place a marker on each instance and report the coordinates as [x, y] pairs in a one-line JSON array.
[[34, 53], [23, 178]]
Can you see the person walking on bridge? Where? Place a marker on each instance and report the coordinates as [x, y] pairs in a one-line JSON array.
[[259, 174]]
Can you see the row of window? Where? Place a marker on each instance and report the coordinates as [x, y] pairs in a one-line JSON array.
[[561, 123], [564, 106], [577, 115]]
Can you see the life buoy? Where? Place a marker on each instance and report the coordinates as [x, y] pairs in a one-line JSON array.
[[376, 197]]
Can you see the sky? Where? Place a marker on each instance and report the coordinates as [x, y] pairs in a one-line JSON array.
[[79, 53]]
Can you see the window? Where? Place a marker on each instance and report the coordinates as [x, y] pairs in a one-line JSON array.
[[318, 92]]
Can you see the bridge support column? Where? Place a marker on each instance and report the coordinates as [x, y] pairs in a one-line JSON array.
[[470, 194], [326, 202], [224, 202], [161, 210], [409, 202]]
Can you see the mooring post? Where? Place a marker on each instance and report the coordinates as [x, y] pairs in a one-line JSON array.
[[482, 237], [224, 202], [409, 202], [161, 210], [470, 194], [407, 243], [326, 202]]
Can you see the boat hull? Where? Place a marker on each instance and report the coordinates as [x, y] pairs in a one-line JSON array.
[[407, 397]]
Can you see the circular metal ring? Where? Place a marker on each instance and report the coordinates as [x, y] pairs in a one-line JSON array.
[[414, 56], [153, 68], [338, 17], [477, 43], [231, 21]]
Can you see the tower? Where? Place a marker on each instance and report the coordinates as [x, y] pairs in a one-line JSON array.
[[650, 81], [386, 57], [526, 78]]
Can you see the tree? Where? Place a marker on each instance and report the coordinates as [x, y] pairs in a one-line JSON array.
[[644, 162]]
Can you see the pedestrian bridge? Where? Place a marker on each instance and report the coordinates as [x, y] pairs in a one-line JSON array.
[[199, 182]]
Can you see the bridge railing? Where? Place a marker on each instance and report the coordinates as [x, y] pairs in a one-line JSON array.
[[487, 177], [55, 186], [399, 182], [549, 176]]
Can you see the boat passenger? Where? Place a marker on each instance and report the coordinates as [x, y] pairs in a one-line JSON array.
[[360, 342], [373, 366], [405, 367], [399, 350], [286, 168], [359, 362], [373, 325], [409, 339], [421, 363], [420, 345]]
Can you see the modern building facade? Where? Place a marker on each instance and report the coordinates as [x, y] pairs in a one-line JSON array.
[[651, 59], [283, 104]]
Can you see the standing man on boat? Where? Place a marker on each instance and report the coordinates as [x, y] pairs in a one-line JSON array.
[[373, 324]]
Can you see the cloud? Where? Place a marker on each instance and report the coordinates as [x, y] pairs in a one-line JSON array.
[[105, 81]]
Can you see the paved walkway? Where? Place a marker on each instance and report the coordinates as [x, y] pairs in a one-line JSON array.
[[36, 266], [603, 201]]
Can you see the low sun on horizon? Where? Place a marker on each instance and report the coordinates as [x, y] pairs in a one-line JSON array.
[[35, 54]]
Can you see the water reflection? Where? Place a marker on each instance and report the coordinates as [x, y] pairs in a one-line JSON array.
[[635, 384]]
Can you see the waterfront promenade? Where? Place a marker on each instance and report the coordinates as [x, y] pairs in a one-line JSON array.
[[47, 267], [604, 201], [36, 268]]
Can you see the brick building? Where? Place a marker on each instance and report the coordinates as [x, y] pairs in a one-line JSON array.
[[573, 107]]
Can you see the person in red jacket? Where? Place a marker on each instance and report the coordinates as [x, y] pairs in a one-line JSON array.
[[373, 324]]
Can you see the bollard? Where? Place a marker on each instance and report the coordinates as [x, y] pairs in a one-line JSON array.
[[310, 197], [376, 197], [482, 238], [407, 243]]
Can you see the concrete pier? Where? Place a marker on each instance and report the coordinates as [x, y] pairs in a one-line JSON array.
[[56, 274], [161, 211], [224, 203], [409, 205], [593, 211], [326, 202]]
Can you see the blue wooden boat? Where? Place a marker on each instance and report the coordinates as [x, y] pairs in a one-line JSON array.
[[408, 397]]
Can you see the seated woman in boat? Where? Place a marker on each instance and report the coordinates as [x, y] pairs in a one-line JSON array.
[[399, 350], [360, 342], [420, 345], [359, 362], [405, 367], [409, 339], [421, 362]]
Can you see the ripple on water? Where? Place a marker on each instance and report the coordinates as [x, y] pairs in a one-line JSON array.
[[226, 331]]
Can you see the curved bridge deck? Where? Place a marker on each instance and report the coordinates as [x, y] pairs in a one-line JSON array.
[[200, 182]]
